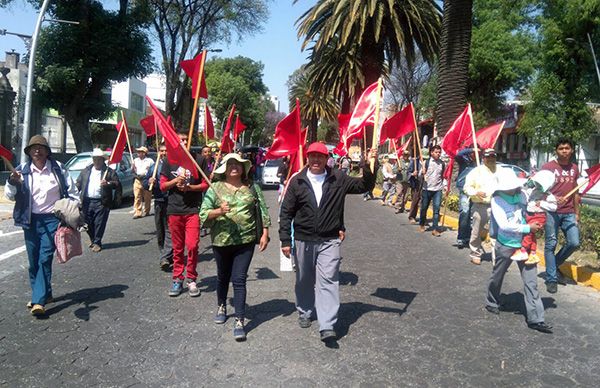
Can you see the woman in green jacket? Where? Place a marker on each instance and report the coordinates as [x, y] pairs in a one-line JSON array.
[[233, 222]]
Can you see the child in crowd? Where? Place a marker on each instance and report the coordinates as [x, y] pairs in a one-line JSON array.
[[538, 202]]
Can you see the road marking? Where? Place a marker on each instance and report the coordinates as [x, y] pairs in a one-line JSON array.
[[2, 234], [12, 252]]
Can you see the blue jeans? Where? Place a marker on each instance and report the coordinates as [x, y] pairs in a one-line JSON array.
[[464, 219], [39, 241], [568, 225], [426, 197], [233, 262]]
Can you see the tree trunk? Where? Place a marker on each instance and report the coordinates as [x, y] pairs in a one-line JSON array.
[[453, 67], [80, 128], [313, 125]]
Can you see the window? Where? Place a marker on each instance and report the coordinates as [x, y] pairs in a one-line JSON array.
[[136, 102]]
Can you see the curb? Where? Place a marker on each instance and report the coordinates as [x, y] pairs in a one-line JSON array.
[[583, 276]]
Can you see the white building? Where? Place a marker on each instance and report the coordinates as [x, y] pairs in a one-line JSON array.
[[275, 101]]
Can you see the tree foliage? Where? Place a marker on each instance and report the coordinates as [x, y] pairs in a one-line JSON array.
[[76, 63]]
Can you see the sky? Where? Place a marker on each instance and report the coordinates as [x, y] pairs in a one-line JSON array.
[[277, 46]]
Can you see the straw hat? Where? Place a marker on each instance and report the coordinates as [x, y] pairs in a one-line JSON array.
[[142, 149], [38, 140], [223, 165], [97, 152]]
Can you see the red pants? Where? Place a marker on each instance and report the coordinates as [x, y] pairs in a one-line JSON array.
[[185, 232], [529, 242]]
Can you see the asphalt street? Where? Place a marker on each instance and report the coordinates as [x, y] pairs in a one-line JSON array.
[[411, 315]]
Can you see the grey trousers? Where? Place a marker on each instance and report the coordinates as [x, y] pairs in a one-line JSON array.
[[480, 215], [318, 280], [163, 234], [533, 301]]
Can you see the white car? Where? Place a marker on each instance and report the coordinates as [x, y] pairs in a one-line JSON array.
[[269, 176]]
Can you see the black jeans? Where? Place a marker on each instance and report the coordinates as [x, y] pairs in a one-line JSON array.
[[96, 216], [232, 265], [163, 234]]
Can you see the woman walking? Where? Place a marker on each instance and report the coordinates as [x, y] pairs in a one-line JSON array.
[[237, 223]]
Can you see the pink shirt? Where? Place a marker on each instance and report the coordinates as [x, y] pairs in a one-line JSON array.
[[45, 190]]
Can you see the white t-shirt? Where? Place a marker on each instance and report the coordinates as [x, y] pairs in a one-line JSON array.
[[316, 181], [142, 166], [94, 190]]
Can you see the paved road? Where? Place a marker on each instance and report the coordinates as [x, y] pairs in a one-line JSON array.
[[411, 315]]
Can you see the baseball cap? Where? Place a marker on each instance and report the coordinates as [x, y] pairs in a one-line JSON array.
[[489, 152], [319, 148]]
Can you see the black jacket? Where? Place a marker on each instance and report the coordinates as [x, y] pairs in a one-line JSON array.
[[312, 223], [107, 191]]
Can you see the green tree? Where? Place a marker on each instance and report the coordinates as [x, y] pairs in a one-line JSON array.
[[566, 81], [76, 63], [238, 81]]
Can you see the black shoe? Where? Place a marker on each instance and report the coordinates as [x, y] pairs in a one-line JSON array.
[[304, 322], [551, 287], [541, 327], [328, 335], [493, 310], [164, 265]]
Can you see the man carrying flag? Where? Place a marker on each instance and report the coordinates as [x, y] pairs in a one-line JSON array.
[[141, 197], [314, 202]]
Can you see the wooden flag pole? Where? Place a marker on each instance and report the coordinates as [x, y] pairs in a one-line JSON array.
[[474, 136], [301, 147], [375, 139], [8, 164], [201, 172], [126, 134], [576, 189], [196, 97], [205, 124], [157, 157], [113, 149]]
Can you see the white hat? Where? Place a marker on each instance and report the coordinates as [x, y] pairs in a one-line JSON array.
[[507, 180], [97, 152], [392, 156], [142, 149], [223, 165], [545, 179]]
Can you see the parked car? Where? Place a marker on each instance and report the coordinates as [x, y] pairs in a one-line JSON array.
[[592, 197], [124, 171], [521, 173], [269, 176]]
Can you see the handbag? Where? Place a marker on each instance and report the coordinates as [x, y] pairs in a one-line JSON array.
[[257, 214], [68, 244]]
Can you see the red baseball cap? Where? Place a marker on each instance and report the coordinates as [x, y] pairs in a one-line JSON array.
[[319, 148]]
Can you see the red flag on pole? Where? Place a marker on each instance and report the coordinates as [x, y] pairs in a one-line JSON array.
[[458, 132], [238, 128], [227, 144], [593, 177], [287, 136], [6, 153], [363, 112], [175, 149], [209, 128], [486, 137], [116, 155], [401, 148], [400, 124], [192, 68], [343, 121], [148, 124]]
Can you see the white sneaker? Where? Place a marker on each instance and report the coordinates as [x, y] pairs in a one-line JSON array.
[[193, 289], [519, 256]]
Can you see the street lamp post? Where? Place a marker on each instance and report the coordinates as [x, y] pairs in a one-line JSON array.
[[594, 56]]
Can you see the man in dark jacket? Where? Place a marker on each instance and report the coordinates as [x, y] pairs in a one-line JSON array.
[[314, 201], [95, 184]]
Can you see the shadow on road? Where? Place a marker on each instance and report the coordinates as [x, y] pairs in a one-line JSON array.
[[515, 303], [122, 244], [266, 311], [264, 273], [208, 284], [395, 295], [348, 279], [88, 297]]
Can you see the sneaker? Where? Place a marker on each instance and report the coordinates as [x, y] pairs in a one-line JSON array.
[[38, 309], [96, 248], [492, 309], [328, 335], [193, 289], [476, 260], [304, 322], [412, 221], [221, 315], [239, 333], [541, 327], [436, 233], [176, 288], [551, 287], [164, 265], [422, 228], [519, 256], [533, 259]]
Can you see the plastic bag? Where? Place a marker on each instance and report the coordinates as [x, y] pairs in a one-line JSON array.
[[68, 244]]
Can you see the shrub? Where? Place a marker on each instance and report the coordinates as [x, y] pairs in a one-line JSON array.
[[452, 202], [589, 229]]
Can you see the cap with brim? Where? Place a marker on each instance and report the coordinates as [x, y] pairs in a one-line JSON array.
[[508, 180], [392, 156], [98, 153], [489, 152], [142, 149], [232, 156], [318, 148], [37, 140]]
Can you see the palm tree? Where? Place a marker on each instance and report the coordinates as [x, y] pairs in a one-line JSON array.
[[314, 105], [453, 67], [380, 30]]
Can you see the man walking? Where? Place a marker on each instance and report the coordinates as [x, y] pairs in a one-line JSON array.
[[433, 187], [96, 184], [163, 234], [415, 180], [480, 184], [402, 185], [314, 202], [566, 216], [466, 162], [389, 172], [141, 196]]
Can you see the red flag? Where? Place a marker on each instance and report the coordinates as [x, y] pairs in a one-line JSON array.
[[176, 151], [192, 68], [227, 144], [486, 137], [116, 155], [5, 153], [287, 137], [363, 111], [209, 127], [343, 121], [593, 176], [238, 128], [448, 173], [458, 132], [148, 124], [400, 124], [400, 149]]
